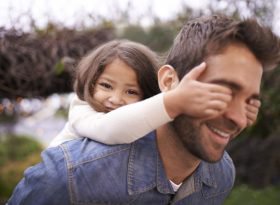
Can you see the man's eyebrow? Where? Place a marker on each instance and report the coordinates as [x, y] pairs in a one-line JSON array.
[[234, 86], [227, 83]]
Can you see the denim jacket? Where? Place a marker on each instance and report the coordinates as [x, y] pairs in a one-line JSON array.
[[84, 172]]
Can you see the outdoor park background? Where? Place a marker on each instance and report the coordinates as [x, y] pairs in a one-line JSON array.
[[38, 57]]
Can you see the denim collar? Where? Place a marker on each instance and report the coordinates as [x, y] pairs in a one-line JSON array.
[[146, 171], [206, 174]]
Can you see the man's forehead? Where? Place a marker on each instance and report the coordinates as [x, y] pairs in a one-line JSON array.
[[236, 67]]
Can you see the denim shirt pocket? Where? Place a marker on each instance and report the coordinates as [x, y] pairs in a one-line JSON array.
[[90, 185]]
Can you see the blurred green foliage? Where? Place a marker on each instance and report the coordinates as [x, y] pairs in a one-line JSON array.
[[16, 154], [245, 195], [135, 33], [158, 37], [62, 113], [59, 68]]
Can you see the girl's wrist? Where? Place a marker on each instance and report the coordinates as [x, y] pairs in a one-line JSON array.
[[171, 104]]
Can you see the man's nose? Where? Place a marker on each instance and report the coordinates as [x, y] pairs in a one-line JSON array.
[[236, 112]]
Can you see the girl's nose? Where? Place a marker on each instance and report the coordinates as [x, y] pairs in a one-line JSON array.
[[116, 99]]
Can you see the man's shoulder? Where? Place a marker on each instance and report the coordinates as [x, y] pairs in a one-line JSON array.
[[85, 150], [97, 172]]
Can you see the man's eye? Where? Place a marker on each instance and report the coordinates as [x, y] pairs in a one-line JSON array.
[[132, 92], [105, 85]]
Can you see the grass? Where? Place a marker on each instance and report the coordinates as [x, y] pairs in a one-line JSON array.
[[245, 195], [16, 154]]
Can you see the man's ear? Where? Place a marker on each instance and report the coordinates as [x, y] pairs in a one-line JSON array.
[[167, 78]]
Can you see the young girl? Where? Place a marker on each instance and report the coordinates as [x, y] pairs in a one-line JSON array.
[[122, 73]]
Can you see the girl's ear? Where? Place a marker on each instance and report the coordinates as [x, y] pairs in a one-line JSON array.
[[167, 78]]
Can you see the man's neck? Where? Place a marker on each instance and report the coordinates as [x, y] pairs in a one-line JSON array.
[[178, 162]]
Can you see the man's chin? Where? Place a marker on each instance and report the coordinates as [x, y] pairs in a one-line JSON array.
[[213, 160], [207, 157]]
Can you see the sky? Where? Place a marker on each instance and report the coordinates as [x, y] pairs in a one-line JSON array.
[[17, 13], [70, 12]]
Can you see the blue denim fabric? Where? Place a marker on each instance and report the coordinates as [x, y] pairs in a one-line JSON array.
[[84, 172]]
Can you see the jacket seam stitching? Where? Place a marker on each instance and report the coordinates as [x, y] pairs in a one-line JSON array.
[[97, 158], [69, 173]]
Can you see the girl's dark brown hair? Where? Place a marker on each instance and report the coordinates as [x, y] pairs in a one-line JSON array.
[[137, 56], [206, 36]]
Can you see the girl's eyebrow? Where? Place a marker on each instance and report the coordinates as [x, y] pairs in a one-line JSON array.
[[106, 78], [111, 80], [234, 86], [133, 86]]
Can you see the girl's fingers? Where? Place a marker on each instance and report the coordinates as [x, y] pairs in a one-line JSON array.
[[215, 88], [252, 115], [252, 111], [255, 102], [209, 113], [220, 97], [213, 109], [250, 122]]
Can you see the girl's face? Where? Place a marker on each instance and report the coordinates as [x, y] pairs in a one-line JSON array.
[[117, 86]]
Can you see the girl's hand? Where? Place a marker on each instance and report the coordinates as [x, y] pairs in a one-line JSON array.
[[252, 109], [197, 99]]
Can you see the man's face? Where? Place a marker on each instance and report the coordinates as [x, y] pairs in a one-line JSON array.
[[238, 69]]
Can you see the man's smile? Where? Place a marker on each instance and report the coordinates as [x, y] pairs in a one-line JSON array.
[[220, 135]]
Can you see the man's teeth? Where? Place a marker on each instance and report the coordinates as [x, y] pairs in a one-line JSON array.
[[219, 132]]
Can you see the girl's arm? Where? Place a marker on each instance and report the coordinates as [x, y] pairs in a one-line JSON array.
[[123, 125]]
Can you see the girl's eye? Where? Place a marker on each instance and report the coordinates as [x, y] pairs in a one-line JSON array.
[[105, 85], [132, 92]]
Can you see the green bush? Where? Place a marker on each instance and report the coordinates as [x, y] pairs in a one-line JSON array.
[[134, 33], [16, 154], [158, 37], [244, 195]]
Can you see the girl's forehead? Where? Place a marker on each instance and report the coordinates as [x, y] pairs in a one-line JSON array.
[[119, 70]]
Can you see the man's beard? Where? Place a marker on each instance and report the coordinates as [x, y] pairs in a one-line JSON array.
[[191, 137]]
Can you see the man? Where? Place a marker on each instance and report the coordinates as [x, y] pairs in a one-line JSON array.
[[183, 162]]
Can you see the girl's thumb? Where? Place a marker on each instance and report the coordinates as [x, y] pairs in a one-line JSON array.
[[196, 71]]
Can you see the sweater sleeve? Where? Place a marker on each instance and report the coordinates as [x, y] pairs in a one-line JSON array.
[[123, 125]]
